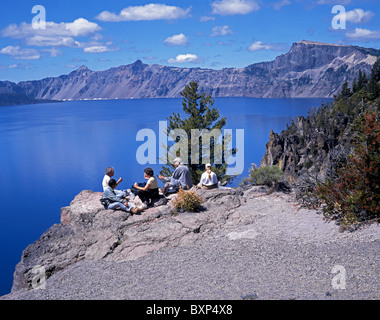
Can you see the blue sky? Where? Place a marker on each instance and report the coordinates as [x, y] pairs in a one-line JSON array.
[[206, 33]]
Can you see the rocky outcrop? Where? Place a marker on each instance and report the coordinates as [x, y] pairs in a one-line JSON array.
[[309, 69], [313, 149], [243, 242], [88, 232], [309, 151]]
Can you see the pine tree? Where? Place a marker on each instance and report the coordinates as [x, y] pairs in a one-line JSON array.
[[373, 85], [373, 88], [345, 93], [376, 70], [354, 86], [355, 194], [200, 116], [365, 80], [362, 81]]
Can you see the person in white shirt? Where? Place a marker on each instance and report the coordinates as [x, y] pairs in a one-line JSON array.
[[109, 173], [209, 180]]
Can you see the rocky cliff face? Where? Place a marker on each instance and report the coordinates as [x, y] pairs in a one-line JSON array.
[[261, 244], [307, 152], [88, 232], [312, 149], [309, 69]]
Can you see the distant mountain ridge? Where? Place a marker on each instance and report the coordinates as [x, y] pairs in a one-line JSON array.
[[309, 69], [13, 94]]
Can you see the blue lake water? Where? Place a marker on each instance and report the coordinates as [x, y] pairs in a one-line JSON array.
[[50, 152]]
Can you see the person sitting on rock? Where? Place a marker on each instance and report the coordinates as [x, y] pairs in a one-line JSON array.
[[150, 191], [209, 180], [111, 201], [105, 183], [180, 177]]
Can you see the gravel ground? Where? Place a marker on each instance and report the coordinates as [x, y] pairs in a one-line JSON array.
[[285, 254]]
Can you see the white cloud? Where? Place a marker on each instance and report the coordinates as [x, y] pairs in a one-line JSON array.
[[72, 66], [226, 44], [177, 40], [15, 66], [58, 35], [221, 31], [206, 18], [334, 2], [82, 27], [356, 16], [55, 34], [232, 7], [364, 35], [53, 52], [152, 11], [277, 46], [79, 27], [53, 41], [259, 45], [279, 4], [15, 52], [96, 49], [181, 58]]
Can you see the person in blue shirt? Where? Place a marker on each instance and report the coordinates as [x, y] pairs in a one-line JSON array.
[[180, 177], [111, 201]]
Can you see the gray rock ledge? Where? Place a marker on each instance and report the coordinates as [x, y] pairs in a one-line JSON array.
[[240, 235]]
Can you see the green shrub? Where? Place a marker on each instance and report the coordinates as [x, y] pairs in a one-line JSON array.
[[268, 176], [354, 196]]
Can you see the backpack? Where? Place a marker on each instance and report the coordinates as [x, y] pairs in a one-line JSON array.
[[134, 190], [172, 189], [104, 202]]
